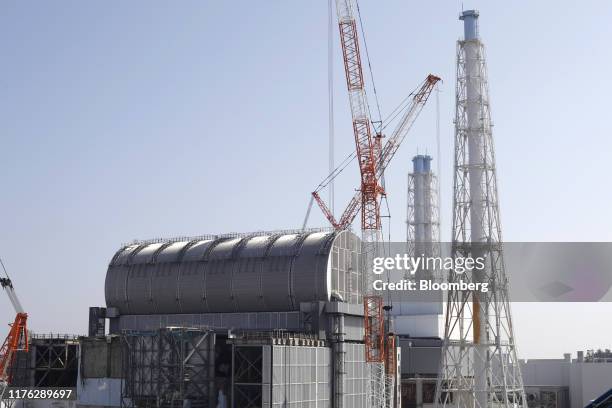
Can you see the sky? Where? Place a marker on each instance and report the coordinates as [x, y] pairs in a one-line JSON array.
[[142, 119]]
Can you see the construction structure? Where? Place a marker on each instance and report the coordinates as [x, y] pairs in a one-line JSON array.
[[167, 367], [17, 339], [372, 158], [52, 360], [569, 382], [289, 318], [479, 366], [268, 303]]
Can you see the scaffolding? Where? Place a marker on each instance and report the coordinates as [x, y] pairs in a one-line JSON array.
[[168, 368], [52, 361], [278, 369]]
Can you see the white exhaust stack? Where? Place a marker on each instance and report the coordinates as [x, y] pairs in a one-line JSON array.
[[479, 366]]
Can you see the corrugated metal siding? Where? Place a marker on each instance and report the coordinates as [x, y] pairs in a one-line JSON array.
[[357, 376], [301, 377]]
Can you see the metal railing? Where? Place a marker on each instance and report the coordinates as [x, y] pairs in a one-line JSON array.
[[207, 237], [54, 336]]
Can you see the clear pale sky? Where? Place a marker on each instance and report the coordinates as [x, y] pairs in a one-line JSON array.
[[141, 119]]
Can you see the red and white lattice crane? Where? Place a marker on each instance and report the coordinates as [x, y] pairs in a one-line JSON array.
[[372, 158]]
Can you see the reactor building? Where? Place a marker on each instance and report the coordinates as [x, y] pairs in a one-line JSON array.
[[274, 318]]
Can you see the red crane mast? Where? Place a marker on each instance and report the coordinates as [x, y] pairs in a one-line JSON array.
[[362, 130], [372, 158]]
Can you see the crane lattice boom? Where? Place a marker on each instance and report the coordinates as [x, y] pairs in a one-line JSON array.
[[372, 158], [362, 130], [17, 338], [386, 153]]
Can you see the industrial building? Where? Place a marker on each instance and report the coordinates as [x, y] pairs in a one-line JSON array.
[[568, 382], [288, 319], [276, 317], [246, 320]]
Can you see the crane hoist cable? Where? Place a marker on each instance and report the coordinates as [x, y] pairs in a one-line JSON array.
[[401, 107], [408, 115], [330, 100]]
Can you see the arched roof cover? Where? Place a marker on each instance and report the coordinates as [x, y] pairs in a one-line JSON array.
[[269, 272]]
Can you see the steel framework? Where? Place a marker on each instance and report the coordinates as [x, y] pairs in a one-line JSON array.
[[372, 159], [365, 148], [55, 360], [168, 368], [247, 376], [384, 154], [479, 366], [374, 329]]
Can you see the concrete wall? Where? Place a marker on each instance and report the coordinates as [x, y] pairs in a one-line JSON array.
[[99, 383], [100, 357], [546, 372], [99, 392], [586, 381]]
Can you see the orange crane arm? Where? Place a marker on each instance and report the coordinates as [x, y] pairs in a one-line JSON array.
[[17, 338]]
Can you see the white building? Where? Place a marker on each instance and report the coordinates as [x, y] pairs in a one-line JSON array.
[[567, 382]]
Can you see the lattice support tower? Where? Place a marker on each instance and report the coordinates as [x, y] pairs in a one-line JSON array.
[[479, 365]]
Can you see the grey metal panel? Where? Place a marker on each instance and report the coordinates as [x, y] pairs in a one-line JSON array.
[[247, 280], [123, 254], [301, 376], [310, 268], [147, 254], [420, 357], [191, 288], [218, 279], [116, 277], [138, 289], [356, 376], [276, 273], [114, 286], [353, 328], [261, 273], [164, 290], [197, 251], [172, 252]]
